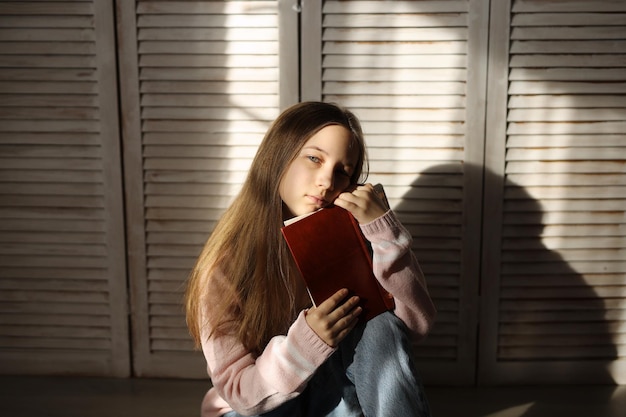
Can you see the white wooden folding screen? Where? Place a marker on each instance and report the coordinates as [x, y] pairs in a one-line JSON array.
[[414, 72], [554, 248], [201, 87], [537, 257], [62, 265]]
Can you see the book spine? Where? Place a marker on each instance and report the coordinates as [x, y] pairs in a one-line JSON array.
[[385, 295]]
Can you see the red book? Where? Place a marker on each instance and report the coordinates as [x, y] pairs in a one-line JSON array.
[[331, 253]]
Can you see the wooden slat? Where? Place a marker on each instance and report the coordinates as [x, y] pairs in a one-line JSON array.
[[210, 74], [37, 86], [54, 201], [568, 47], [207, 20], [533, 6], [570, 179], [561, 32], [45, 21], [577, 61], [49, 100], [34, 61], [196, 100], [46, 8], [56, 164], [205, 113], [417, 101], [376, 75], [566, 74], [192, 7], [43, 176], [47, 47], [73, 238], [560, 155], [560, 166], [208, 126], [599, 127], [175, 151], [395, 20], [206, 34], [569, 19], [556, 87], [395, 34], [208, 87], [217, 47], [394, 61], [354, 7], [47, 34], [569, 101], [443, 47], [332, 88], [259, 61], [588, 280]]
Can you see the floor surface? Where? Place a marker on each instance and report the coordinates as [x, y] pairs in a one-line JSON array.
[[98, 397]]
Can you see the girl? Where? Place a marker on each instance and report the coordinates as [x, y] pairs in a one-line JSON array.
[[269, 351]]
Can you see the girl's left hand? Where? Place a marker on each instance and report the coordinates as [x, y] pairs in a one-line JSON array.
[[363, 203]]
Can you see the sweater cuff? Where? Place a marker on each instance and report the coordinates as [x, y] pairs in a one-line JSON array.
[[384, 223], [308, 342]]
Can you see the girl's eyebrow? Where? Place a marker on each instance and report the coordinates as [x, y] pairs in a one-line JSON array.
[[316, 148]]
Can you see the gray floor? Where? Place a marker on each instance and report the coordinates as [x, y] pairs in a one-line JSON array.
[[96, 397]]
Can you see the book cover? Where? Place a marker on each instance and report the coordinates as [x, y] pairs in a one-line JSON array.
[[331, 253]]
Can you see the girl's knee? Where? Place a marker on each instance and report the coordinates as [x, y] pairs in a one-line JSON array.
[[386, 325], [385, 333]]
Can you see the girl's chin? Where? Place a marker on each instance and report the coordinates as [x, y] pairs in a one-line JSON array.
[[300, 213], [290, 213]]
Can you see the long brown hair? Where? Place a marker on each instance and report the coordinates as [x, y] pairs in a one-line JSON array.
[[257, 299]]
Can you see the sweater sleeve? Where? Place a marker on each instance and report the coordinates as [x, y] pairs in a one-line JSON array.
[[252, 385], [399, 273]]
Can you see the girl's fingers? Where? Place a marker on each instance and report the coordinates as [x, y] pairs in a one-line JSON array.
[[363, 203], [333, 301], [333, 319], [337, 306], [358, 196]]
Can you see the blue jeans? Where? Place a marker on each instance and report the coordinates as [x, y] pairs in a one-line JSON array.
[[371, 374]]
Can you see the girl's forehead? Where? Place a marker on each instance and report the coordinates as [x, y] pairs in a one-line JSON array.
[[335, 141], [332, 135]]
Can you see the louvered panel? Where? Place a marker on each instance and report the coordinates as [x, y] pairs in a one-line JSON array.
[[207, 88], [62, 261], [562, 296], [402, 67]]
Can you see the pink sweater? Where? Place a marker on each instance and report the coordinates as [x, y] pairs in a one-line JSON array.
[[254, 386]]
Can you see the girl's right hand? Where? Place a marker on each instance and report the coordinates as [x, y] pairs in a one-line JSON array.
[[333, 319]]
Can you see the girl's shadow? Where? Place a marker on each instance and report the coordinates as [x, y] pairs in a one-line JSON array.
[[546, 312]]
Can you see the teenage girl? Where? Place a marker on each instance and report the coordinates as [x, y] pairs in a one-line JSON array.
[[268, 350]]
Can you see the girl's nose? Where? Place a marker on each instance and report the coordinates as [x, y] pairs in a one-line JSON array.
[[325, 180]]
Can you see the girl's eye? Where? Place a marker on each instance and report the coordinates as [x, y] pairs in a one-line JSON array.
[[314, 159]]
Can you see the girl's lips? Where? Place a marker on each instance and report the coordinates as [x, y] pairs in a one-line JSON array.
[[318, 201]]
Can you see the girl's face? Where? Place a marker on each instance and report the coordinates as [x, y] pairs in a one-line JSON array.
[[321, 171]]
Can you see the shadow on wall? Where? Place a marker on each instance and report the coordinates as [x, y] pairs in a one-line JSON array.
[[546, 314]]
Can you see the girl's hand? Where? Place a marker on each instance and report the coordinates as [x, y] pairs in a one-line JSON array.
[[333, 319], [363, 203]]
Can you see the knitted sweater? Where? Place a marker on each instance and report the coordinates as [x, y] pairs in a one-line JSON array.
[[253, 386]]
